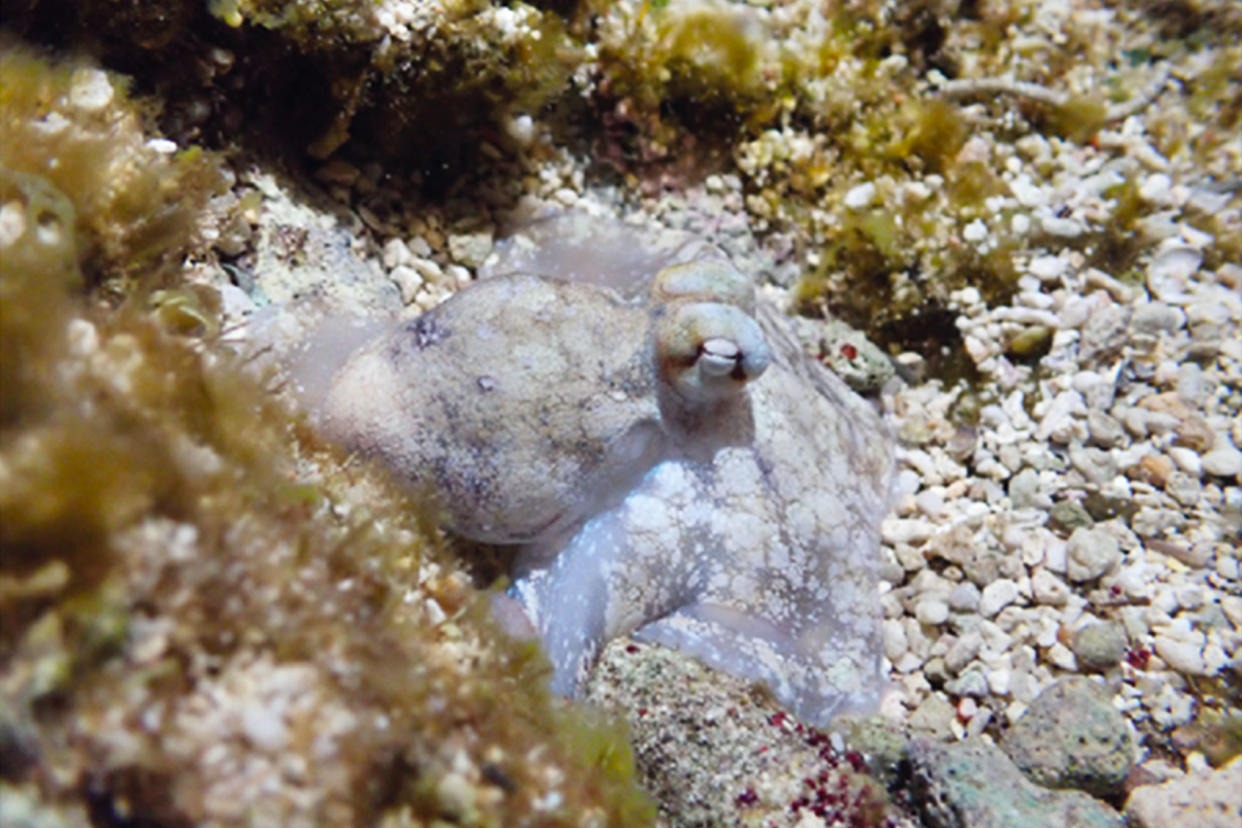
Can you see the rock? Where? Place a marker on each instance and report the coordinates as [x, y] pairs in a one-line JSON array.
[[1023, 487], [972, 784], [1095, 464], [471, 249], [964, 597], [1170, 269], [1100, 646], [1154, 469], [935, 717], [1104, 429], [1156, 317], [1090, 554], [971, 683], [1203, 800], [1072, 737], [998, 595], [881, 741], [1104, 333], [1223, 461], [931, 611], [1183, 656], [1049, 589], [1068, 515], [963, 651]]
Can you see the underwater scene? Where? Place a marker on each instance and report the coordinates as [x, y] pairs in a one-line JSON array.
[[816, 413]]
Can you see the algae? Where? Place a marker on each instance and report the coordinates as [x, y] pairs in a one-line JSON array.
[[200, 601]]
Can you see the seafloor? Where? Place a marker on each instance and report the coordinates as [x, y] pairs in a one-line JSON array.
[[1015, 226]]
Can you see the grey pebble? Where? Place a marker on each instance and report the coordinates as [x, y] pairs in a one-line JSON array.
[[1105, 430], [972, 784], [1068, 515], [934, 717], [963, 651], [971, 683], [964, 597], [1023, 487], [1103, 334], [1072, 737], [1156, 317], [1100, 646], [1097, 465], [1091, 553]]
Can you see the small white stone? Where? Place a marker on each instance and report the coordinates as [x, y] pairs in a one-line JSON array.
[[860, 196], [895, 642], [408, 282], [395, 253], [1065, 228], [931, 611], [1048, 268], [1170, 269], [1090, 554], [521, 129], [975, 232], [1061, 656], [1158, 189], [90, 90], [996, 596], [1223, 460], [1186, 459], [430, 272], [1182, 656], [162, 146], [912, 530], [1049, 589]]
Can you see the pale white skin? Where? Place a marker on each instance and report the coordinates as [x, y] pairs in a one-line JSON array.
[[669, 462]]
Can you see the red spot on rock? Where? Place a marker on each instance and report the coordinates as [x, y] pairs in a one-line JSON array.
[[849, 351], [747, 798], [1138, 658]]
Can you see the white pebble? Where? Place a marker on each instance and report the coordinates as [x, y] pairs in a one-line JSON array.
[[90, 89], [1090, 554], [1223, 460], [1171, 268], [975, 232], [996, 596], [860, 196], [931, 611], [1182, 656], [1186, 459], [1158, 189], [1049, 589]]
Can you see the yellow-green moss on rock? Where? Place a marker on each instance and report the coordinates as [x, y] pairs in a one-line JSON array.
[[207, 615]]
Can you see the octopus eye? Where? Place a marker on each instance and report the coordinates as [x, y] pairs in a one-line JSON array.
[[709, 350]]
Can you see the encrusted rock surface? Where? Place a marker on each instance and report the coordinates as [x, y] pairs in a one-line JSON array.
[[1072, 737]]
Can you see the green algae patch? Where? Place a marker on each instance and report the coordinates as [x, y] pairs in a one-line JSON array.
[[207, 614]]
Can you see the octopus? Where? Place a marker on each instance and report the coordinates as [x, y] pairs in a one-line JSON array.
[[652, 439]]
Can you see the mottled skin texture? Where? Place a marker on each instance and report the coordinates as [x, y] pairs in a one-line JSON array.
[[670, 464]]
